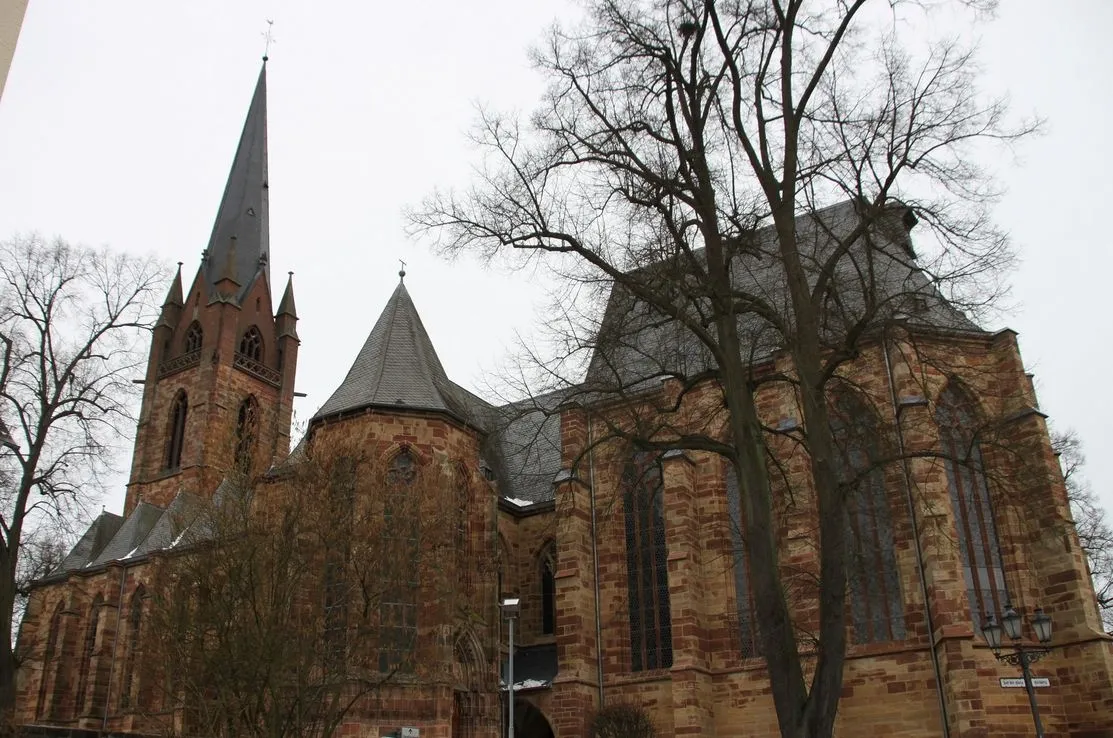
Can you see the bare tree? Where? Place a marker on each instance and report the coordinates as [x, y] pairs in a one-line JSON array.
[[285, 605], [685, 160], [1090, 518], [623, 721], [73, 323]]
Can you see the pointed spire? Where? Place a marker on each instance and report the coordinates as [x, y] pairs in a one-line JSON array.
[[173, 304], [244, 208], [286, 305], [174, 295], [396, 368]]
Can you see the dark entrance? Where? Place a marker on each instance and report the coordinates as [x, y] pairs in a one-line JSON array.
[[529, 722]]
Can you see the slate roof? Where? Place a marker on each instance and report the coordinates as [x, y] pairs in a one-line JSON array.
[[398, 368], [525, 448], [149, 528], [131, 535], [172, 525], [636, 342], [244, 208], [99, 534]]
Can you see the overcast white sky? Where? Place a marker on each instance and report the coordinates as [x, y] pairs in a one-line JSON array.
[[120, 118]]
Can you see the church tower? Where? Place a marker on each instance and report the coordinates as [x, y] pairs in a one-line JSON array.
[[219, 387]]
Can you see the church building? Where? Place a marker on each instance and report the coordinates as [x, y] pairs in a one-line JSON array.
[[629, 566]]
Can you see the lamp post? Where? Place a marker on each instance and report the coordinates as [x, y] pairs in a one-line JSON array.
[[510, 607], [1021, 656]]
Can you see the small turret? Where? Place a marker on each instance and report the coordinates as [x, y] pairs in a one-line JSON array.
[[287, 316], [172, 305]]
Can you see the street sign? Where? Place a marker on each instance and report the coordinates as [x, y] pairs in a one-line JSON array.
[[411, 732], [1019, 683]]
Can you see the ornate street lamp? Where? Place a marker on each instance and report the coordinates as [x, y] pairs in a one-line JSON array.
[[1021, 655]]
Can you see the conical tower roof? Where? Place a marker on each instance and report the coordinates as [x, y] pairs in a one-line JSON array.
[[174, 294], [397, 368], [244, 208], [286, 305]]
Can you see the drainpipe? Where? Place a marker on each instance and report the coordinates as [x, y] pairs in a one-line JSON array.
[[943, 717], [115, 643], [595, 563]]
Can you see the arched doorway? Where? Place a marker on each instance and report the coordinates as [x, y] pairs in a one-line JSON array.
[[474, 704], [529, 722]]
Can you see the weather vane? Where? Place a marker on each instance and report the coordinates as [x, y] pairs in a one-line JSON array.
[[268, 36], [402, 271]]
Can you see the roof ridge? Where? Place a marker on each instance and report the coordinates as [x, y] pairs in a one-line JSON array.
[[392, 306]]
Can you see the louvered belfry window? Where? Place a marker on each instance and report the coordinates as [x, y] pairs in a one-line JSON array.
[[193, 337], [251, 345], [247, 427], [979, 545], [743, 589], [176, 438], [876, 602], [647, 565]]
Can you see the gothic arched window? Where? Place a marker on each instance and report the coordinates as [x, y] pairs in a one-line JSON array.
[[979, 545], [341, 497], [398, 604], [132, 655], [548, 589], [251, 345], [87, 651], [743, 590], [647, 565], [463, 548], [49, 687], [876, 603], [175, 439], [193, 337], [247, 422]]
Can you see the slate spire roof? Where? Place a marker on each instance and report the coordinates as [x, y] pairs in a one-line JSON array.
[[244, 208], [174, 294], [397, 368], [286, 305]]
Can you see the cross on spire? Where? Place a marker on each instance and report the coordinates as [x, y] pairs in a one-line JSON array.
[[268, 37]]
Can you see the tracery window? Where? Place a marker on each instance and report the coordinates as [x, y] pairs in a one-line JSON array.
[[337, 555], [465, 560], [193, 337], [548, 590], [398, 605], [49, 688], [87, 651], [251, 344], [647, 565], [131, 656], [247, 422], [876, 603], [979, 545], [175, 440], [743, 590]]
